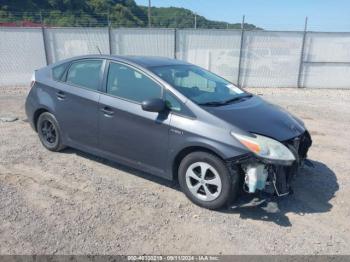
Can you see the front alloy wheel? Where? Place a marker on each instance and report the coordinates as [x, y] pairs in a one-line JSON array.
[[206, 180], [203, 181]]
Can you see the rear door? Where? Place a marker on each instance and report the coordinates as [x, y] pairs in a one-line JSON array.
[[77, 99], [126, 131]]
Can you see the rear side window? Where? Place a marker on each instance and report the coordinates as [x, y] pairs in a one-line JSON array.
[[58, 71], [128, 83], [85, 73]]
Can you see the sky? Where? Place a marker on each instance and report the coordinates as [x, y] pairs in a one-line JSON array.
[[323, 15]]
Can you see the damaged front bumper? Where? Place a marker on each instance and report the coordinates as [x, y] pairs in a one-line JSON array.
[[274, 176]]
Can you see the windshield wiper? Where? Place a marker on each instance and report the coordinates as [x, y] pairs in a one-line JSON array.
[[213, 103], [237, 98], [220, 103]]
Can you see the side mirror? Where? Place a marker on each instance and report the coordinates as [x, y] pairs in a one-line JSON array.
[[153, 105]]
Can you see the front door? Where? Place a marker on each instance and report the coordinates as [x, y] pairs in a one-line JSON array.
[[127, 132]]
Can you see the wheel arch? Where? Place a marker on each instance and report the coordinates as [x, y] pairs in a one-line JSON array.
[[36, 115], [186, 151]]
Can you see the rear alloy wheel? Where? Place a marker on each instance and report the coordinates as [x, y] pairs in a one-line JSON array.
[[49, 132], [206, 180]]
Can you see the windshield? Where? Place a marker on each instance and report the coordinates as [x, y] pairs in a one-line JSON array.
[[199, 85]]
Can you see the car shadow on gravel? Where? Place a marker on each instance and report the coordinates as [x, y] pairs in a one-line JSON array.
[[313, 188], [123, 168]]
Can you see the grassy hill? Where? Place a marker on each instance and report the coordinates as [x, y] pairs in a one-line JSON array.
[[118, 13]]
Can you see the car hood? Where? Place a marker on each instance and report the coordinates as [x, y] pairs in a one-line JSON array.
[[255, 115]]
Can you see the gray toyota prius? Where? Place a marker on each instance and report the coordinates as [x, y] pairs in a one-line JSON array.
[[171, 119]]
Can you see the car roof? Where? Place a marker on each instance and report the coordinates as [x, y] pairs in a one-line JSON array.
[[143, 61], [152, 61]]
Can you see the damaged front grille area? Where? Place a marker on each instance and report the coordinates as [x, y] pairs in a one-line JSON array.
[[274, 178], [299, 146]]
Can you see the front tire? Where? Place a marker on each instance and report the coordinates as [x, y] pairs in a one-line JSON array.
[[49, 132], [207, 181]]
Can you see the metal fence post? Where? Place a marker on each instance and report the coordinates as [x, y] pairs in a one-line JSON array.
[[44, 39], [240, 53], [110, 40], [175, 43], [301, 62], [109, 35], [116, 41]]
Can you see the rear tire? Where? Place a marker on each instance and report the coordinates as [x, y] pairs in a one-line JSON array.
[[207, 181], [49, 132]]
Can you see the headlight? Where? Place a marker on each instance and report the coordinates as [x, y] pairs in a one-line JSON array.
[[265, 147]]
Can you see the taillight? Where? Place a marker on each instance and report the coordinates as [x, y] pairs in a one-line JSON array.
[[32, 80]]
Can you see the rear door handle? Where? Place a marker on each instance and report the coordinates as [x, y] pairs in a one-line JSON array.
[[60, 95], [107, 111]]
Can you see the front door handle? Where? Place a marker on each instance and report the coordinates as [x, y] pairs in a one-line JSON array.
[[60, 95], [107, 111]]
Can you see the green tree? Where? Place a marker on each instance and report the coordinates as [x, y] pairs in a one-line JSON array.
[[120, 13]]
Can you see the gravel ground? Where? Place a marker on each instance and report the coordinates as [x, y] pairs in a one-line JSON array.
[[75, 203]]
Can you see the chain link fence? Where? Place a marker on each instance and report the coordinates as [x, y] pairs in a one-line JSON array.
[[247, 58]]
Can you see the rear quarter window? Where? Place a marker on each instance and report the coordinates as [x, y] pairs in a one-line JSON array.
[[58, 71]]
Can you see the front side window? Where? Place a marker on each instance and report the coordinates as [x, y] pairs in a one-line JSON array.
[[199, 85], [126, 82], [172, 102], [85, 73]]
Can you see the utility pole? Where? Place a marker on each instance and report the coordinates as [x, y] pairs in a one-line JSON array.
[[195, 21], [149, 13], [41, 19], [108, 19]]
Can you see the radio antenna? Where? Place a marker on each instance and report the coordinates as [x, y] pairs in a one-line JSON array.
[[98, 50]]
